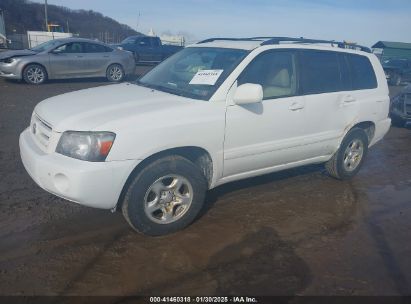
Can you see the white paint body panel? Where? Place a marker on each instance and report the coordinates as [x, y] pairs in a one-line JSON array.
[[242, 140]]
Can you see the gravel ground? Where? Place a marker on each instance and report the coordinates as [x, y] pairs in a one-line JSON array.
[[296, 232]]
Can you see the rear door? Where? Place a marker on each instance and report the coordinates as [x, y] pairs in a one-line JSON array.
[[156, 49], [98, 58], [144, 49], [68, 61], [330, 105]]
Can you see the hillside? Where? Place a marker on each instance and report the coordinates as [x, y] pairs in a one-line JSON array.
[[23, 15]]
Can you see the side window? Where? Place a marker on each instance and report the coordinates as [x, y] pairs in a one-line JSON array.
[[362, 73], [275, 71], [73, 47], [155, 42], [96, 48], [144, 42], [321, 72]]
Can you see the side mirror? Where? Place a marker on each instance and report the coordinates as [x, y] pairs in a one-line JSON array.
[[248, 93], [56, 52]]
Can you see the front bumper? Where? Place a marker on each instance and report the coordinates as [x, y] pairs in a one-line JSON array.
[[94, 184], [10, 70]]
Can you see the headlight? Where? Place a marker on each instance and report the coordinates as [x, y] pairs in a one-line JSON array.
[[89, 146], [10, 60]]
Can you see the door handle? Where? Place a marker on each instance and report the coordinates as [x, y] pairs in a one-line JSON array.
[[79, 56], [296, 106]]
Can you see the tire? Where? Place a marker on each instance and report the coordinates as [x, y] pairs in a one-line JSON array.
[[35, 74], [115, 73], [164, 197], [344, 166]]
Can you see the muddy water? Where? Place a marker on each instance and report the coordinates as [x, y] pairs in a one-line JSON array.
[[295, 232]]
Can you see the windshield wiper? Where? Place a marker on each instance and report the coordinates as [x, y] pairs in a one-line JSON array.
[[160, 88]]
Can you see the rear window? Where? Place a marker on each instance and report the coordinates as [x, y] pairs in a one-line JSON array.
[[97, 48], [321, 72], [362, 73]]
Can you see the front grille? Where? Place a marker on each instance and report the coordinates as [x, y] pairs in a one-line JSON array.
[[41, 130]]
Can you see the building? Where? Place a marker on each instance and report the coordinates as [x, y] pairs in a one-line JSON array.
[[169, 39], [386, 49]]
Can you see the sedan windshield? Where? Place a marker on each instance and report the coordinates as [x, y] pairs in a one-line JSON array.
[[45, 46], [195, 72]]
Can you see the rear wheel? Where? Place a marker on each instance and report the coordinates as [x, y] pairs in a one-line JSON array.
[[166, 196], [34, 74], [115, 73], [349, 158]]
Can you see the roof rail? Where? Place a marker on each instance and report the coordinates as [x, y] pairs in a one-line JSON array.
[[278, 40], [227, 39], [340, 44]]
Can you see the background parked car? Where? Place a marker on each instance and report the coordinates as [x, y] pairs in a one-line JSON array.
[[147, 49], [400, 110], [397, 70], [67, 58]]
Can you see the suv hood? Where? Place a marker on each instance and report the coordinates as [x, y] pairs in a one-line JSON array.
[[87, 109], [18, 53]]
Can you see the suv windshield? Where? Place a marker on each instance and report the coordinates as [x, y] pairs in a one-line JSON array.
[[195, 72], [45, 46]]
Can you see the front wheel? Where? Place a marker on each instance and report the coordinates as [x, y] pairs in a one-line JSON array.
[[166, 196], [349, 158], [115, 73], [34, 74]]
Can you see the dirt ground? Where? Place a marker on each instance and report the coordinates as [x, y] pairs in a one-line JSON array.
[[297, 232]]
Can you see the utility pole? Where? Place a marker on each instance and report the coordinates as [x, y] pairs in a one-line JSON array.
[[138, 21], [45, 13]]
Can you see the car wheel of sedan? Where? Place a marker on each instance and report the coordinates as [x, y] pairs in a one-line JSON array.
[[115, 73], [34, 74], [164, 197], [349, 158]]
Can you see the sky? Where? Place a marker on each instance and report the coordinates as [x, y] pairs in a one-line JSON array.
[[361, 21]]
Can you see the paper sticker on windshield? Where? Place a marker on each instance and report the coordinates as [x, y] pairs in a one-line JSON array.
[[207, 77]]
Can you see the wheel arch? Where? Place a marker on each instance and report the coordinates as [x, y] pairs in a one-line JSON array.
[[199, 156], [34, 62], [367, 126]]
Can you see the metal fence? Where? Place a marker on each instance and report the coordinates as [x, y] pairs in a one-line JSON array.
[[17, 41]]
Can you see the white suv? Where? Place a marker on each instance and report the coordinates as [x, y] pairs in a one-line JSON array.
[[218, 111]]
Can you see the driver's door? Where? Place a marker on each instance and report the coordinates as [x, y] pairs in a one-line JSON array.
[[267, 134], [144, 49], [68, 61]]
